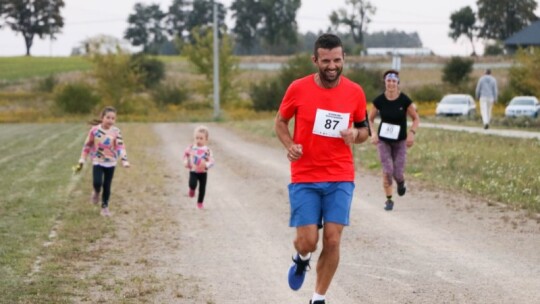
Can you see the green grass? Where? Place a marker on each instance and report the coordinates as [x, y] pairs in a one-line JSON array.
[[16, 68], [40, 195], [499, 169], [38, 190]]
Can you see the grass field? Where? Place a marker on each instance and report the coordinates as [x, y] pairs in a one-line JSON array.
[[49, 230], [15, 68]]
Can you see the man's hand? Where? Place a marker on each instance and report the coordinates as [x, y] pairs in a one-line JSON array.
[[294, 152], [349, 135]]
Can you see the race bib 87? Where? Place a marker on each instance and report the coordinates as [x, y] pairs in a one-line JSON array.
[[328, 123]]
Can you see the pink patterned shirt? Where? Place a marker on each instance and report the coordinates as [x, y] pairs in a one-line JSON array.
[[193, 155], [104, 146]]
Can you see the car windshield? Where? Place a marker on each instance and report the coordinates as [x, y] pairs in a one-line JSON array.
[[522, 102], [454, 100]]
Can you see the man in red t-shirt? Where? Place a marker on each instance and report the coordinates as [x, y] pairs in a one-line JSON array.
[[329, 114]]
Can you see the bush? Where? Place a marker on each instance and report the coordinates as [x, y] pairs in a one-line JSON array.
[[297, 67], [169, 95], [370, 80], [76, 98], [493, 50], [151, 71], [116, 80], [427, 93], [267, 94], [524, 74], [505, 95], [47, 84], [457, 70]]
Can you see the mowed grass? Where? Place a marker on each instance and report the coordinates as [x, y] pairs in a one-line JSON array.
[[36, 181], [498, 169], [15, 68], [49, 232]]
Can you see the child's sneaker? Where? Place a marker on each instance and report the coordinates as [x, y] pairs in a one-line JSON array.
[[389, 205], [105, 211], [95, 197], [200, 205], [191, 193]]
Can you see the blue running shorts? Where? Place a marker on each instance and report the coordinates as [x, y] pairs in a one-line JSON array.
[[317, 203]]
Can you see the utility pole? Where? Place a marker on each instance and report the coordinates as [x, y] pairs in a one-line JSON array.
[[216, 63]]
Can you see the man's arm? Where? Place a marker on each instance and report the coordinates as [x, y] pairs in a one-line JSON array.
[[281, 126]]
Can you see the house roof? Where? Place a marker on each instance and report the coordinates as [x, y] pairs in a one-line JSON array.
[[527, 36]]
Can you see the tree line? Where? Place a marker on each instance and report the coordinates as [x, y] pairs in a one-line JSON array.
[[266, 26], [260, 26]]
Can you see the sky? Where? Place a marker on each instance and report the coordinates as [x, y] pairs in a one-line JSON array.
[[87, 18]]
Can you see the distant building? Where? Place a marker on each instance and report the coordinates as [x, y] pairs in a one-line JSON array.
[[398, 51], [527, 37]]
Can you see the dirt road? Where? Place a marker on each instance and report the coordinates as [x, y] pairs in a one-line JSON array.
[[433, 248]]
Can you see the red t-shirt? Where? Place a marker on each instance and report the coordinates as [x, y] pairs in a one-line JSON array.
[[319, 114]]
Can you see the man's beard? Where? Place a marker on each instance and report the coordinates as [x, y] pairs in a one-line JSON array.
[[327, 79]]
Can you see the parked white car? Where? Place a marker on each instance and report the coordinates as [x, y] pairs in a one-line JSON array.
[[523, 106], [456, 105]]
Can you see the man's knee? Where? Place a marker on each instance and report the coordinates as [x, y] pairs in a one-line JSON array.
[[306, 240], [332, 236], [332, 242]]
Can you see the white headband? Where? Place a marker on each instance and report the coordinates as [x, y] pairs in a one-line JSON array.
[[393, 76]]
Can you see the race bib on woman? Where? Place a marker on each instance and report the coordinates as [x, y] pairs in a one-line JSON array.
[[328, 123], [389, 131]]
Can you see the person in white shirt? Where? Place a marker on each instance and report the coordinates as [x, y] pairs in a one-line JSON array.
[[486, 92]]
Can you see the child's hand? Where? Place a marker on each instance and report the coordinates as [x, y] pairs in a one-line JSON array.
[[201, 166], [77, 168], [125, 164]]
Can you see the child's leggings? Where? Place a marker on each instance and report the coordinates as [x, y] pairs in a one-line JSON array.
[[200, 178], [103, 177]]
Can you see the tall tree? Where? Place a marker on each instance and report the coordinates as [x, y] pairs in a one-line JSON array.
[[177, 18], [502, 18], [462, 22], [33, 17], [200, 54], [202, 17], [272, 20], [356, 19], [146, 27], [247, 14], [186, 15]]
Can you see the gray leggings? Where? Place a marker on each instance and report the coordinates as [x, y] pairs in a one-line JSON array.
[[393, 156]]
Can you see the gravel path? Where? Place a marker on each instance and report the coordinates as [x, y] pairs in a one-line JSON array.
[[434, 247]]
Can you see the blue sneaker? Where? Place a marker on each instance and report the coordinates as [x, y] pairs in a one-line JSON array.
[[389, 205], [297, 272]]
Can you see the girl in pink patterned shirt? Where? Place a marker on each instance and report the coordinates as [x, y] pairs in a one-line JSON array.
[[198, 159], [105, 146]]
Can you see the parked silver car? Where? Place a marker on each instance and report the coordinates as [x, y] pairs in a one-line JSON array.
[[456, 105], [523, 106]]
